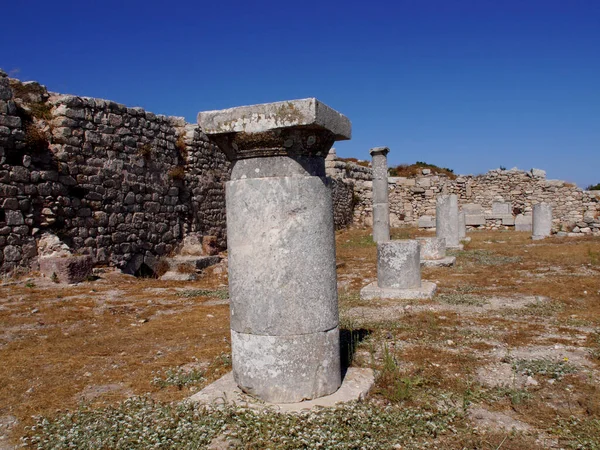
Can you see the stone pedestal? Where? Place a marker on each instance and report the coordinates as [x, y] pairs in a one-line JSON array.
[[381, 210], [281, 247], [542, 220], [398, 273], [446, 220], [433, 252]]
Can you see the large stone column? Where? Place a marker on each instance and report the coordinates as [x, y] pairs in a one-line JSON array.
[[542, 220], [381, 209], [281, 247], [446, 219]]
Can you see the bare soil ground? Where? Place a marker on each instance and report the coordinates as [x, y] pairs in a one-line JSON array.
[[511, 339]]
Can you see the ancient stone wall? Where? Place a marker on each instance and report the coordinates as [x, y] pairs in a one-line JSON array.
[[412, 199], [119, 183]]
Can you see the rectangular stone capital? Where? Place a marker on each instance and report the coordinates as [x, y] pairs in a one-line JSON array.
[[308, 112]]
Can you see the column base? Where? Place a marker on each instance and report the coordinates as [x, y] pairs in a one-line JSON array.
[[372, 291], [355, 386], [442, 262]]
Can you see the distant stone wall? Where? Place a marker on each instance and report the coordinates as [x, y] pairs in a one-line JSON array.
[[121, 184], [413, 198]]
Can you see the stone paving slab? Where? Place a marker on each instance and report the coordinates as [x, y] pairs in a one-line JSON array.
[[355, 386], [371, 291]]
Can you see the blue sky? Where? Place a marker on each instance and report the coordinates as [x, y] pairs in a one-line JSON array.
[[470, 85]]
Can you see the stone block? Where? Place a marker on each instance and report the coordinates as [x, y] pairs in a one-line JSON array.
[[398, 264], [426, 222], [472, 209], [308, 112], [474, 219], [500, 209], [432, 247], [68, 269]]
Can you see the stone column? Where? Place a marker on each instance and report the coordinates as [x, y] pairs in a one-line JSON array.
[[381, 209], [542, 220], [281, 247], [446, 219]]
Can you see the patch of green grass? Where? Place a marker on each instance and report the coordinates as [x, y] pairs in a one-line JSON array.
[[358, 242], [178, 377], [457, 298], [556, 369], [140, 423], [544, 308], [485, 257], [221, 294]]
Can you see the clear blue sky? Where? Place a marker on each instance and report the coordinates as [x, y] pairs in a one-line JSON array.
[[471, 85]]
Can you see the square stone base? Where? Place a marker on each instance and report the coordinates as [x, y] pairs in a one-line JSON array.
[[355, 386], [372, 291], [442, 262]]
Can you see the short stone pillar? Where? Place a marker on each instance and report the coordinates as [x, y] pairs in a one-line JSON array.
[[542, 220], [398, 272], [381, 208], [433, 252], [281, 247], [446, 219]]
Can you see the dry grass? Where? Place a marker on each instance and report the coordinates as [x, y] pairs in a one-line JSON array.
[[106, 340]]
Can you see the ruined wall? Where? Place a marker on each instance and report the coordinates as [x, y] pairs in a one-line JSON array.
[[121, 184], [412, 198]]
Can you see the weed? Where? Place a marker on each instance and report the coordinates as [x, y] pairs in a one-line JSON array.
[[178, 377], [181, 147], [543, 366], [139, 423], [36, 139], [578, 433], [177, 173], [54, 278], [221, 294], [30, 284], [145, 151], [594, 257]]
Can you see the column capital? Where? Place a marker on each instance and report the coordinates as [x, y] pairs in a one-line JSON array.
[[303, 127], [379, 151]]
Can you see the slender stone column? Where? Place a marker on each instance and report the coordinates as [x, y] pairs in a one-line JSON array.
[[542, 220], [446, 219], [281, 247], [381, 209], [462, 227]]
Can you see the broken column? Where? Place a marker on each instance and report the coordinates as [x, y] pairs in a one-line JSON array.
[[433, 252], [542, 220], [381, 209], [281, 246], [398, 272], [446, 220]]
